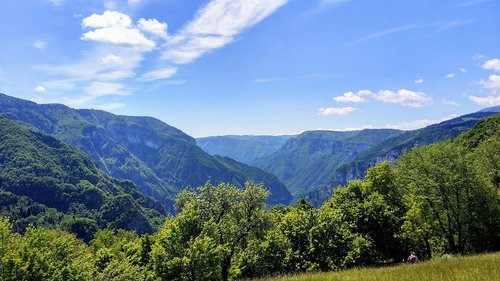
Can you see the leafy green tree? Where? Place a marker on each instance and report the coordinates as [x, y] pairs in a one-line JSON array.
[[362, 223], [45, 254], [448, 203], [223, 217]]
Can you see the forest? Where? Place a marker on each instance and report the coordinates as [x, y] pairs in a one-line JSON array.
[[437, 199]]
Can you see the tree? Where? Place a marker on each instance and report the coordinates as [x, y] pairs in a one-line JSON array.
[[447, 201], [222, 217]]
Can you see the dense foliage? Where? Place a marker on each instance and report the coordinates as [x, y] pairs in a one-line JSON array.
[[45, 182], [435, 200]]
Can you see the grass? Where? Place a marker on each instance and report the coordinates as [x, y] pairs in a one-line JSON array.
[[480, 267]]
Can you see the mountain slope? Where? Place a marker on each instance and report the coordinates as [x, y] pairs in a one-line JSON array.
[[307, 161], [48, 178], [161, 160], [391, 149], [282, 193], [245, 149]]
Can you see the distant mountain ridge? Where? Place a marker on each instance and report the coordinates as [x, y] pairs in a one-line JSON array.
[[246, 149], [160, 159], [392, 148], [307, 161]]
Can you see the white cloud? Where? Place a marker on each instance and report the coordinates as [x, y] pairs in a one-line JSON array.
[[39, 44], [39, 88], [492, 84], [111, 59], [153, 26], [336, 111], [485, 101], [403, 97], [215, 25], [463, 70], [493, 64], [450, 75], [163, 73], [419, 81], [351, 97], [107, 19], [115, 28]]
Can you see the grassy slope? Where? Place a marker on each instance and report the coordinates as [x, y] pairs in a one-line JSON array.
[[482, 267]]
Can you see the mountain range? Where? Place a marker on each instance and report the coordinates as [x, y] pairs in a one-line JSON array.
[[313, 163], [160, 159]]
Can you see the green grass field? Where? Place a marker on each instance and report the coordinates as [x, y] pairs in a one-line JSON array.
[[480, 267]]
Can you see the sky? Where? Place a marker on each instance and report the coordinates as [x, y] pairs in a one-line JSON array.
[[256, 67]]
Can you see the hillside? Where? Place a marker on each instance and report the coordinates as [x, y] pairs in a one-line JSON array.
[[44, 182], [391, 149], [306, 162], [245, 149], [161, 160], [481, 267]]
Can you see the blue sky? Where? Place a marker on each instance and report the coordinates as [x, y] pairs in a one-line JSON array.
[[221, 67]]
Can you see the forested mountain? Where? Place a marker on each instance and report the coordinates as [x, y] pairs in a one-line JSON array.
[[392, 148], [45, 182], [161, 160], [245, 149], [307, 161], [437, 200]]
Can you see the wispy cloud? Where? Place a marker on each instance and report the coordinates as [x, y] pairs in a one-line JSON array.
[[419, 81], [163, 73], [384, 33], [492, 84], [436, 27], [336, 111], [450, 75], [402, 97], [215, 25], [121, 44]]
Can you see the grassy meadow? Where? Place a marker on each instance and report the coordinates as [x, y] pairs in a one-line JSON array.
[[484, 267]]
